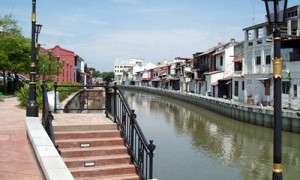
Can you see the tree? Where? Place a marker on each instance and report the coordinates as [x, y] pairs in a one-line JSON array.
[[15, 50], [95, 73], [108, 76]]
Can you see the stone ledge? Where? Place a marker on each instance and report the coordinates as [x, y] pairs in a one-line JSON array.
[[50, 161]]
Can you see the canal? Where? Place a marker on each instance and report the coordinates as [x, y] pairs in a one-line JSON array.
[[193, 143]]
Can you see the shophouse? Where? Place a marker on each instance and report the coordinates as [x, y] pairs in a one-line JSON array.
[[66, 58], [258, 68], [238, 83], [79, 75]]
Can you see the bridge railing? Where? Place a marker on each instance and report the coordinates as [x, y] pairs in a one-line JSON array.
[[47, 116], [140, 149]]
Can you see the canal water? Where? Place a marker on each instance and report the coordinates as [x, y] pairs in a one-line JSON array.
[[193, 143]]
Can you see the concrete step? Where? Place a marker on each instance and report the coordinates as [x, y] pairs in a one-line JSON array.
[[97, 160], [86, 134], [115, 177], [93, 127], [93, 151], [102, 171], [91, 142]]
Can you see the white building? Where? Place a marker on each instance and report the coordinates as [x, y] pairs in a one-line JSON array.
[[257, 64], [79, 75], [122, 65], [218, 81]]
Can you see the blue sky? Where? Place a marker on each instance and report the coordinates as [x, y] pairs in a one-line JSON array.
[[102, 30]]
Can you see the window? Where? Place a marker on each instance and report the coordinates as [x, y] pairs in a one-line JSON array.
[[236, 88], [268, 59], [260, 32], [243, 85], [258, 60], [295, 90], [221, 61], [285, 87], [267, 87]]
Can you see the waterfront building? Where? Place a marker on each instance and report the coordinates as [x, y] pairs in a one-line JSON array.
[[122, 69], [147, 74], [238, 83], [213, 70], [67, 58], [79, 75], [258, 68]]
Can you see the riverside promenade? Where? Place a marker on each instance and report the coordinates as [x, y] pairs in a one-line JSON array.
[[17, 159]]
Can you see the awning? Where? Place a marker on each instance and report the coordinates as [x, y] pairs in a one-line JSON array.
[[174, 79], [238, 59], [146, 79], [198, 79], [263, 79], [155, 80], [228, 78], [215, 83]]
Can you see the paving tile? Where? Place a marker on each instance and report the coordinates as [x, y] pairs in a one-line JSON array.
[[17, 160]]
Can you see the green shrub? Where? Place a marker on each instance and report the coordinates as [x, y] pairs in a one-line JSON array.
[[64, 92]]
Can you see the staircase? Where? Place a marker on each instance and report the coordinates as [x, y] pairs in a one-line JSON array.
[[96, 154]]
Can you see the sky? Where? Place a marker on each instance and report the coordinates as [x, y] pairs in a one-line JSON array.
[[101, 31]]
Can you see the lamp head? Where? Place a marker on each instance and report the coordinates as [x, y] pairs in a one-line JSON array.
[[276, 11]]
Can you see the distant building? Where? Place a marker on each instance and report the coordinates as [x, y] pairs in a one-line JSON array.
[[122, 65]]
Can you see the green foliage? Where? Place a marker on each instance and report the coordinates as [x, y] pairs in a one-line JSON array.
[[64, 92], [22, 95], [9, 26], [108, 76], [95, 73], [15, 50]]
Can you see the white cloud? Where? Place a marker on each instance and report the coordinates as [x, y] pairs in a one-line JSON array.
[[152, 45]]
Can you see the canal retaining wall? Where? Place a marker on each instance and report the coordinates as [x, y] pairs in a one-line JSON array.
[[258, 115]]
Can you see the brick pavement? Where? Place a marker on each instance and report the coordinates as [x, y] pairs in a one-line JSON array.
[[17, 160]]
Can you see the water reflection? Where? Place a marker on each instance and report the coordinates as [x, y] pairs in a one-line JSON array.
[[193, 143]]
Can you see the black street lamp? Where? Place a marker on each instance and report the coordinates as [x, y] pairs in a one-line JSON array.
[[57, 66], [32, 108], [37, 45], [50, 55], [276, 16]]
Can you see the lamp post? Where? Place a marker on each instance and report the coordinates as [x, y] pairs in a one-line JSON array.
[[276, 16], [32, 108], [57, 66], [50, 55], [38, 28]]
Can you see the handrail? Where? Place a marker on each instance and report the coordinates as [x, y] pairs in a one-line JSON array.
[[47, 117], [140, 149], [117, 108]]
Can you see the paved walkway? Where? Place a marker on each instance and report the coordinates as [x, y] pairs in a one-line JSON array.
[[17, 160]]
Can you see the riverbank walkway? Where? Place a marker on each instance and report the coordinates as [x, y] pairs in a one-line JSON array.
[[17, 159]]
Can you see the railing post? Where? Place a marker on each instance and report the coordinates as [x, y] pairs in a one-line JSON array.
[[44, 106], [132, 117], [151, 148], [55, 97], [107, 98], [115, 103]]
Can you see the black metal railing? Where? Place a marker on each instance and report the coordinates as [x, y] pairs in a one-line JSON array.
[[117, 109], [140, 149], [47, 116], [85, 95]]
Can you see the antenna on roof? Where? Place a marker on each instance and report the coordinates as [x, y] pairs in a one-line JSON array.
[[253, 11]]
